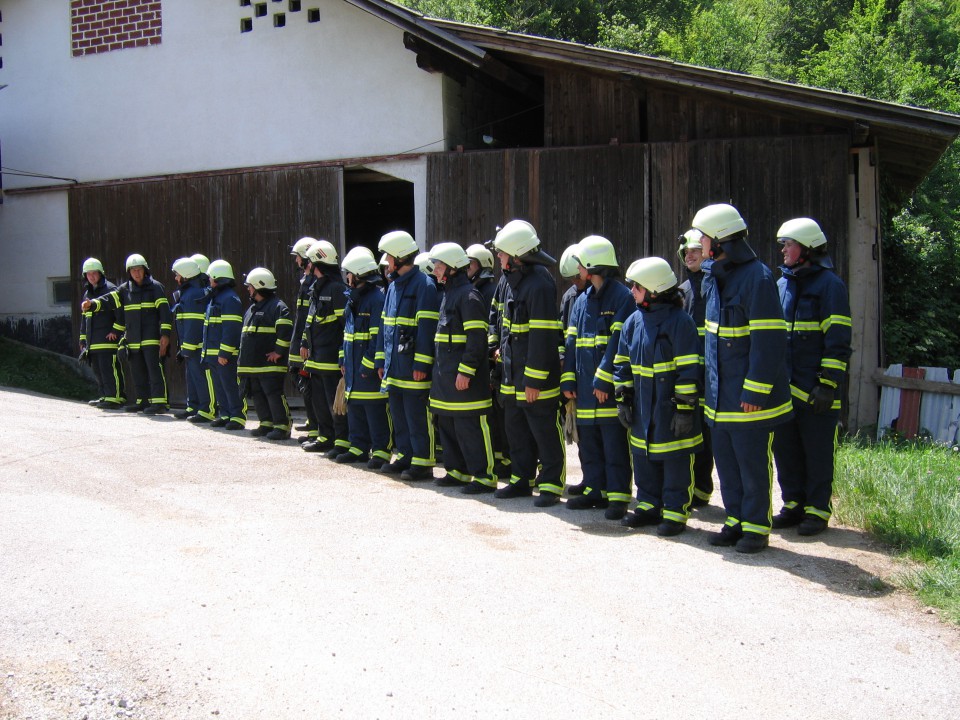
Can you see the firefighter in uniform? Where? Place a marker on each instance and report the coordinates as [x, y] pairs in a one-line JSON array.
[[190, 303], [320, 348], [592, 338], [264, 346], [222, 326], [146, 315], [746, 392], [569, 270], [405, 356], [203, 262], [691, 255], [817, 311], [529, 331], [460, 392], [481, 275], [100, 337], [659, 378], [301, 308], [368, 422]]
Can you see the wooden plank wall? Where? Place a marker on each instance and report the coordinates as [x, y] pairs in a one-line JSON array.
[[249, 219]]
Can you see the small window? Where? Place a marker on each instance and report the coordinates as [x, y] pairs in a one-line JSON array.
[[245, 3], [279, 20], [246, 24], [294, 6], [260, 9], [61, 291], [313, 15]]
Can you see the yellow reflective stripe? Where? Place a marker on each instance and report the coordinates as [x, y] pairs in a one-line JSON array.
[[407, 384], [685, 389], [367, 363], [744, 417], [603, 375], [536, 374], [621, 359], [283, 343], [256, 370], [228, 348], [476, 325], [545, 325], [585, 342], [466, 370], [684, 360], [831, 364], [768, 324], [804, 326], [254, 329], [478, 405], [616, 326], [427, 315], [522, 396], [728, 332], [835, 320], [593, 413], [421, 358], [757, 529], [683, 444], [314, 365], [365, 395], [234, 318], [568, 377], [601, 340], [516, 328], [190, 346], [639, 443], [572, 331], [452, 339], [755, 386], [190, 316]]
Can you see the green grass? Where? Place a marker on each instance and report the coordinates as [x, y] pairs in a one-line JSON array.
[[907, 495], [27, 368]]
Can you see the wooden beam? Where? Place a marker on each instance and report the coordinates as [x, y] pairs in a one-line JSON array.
[[903, 383]]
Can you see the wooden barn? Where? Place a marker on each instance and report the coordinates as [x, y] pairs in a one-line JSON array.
[[575, 139]]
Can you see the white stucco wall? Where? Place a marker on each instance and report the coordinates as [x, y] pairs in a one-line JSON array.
[[208, 96], [33, 247]]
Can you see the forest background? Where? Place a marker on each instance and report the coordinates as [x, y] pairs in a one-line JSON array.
[[903, 51]]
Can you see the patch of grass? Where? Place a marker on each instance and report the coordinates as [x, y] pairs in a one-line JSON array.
[[28, 368], [908, 495]]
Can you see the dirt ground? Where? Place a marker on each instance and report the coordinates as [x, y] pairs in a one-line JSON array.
[[153, 569]]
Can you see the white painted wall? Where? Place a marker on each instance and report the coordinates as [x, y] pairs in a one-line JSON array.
[[209, 96], [33, 247]]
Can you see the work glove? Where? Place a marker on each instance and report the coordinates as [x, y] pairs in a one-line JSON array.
[[570, 433], [84, 357], [821, 398], [681, 424], [625, 409]]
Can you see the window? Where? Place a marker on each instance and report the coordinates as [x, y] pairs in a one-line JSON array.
[[279, 20], [313, 15], [61, 291], [246, 24]]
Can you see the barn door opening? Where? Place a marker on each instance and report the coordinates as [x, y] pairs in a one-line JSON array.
[[374, 204]]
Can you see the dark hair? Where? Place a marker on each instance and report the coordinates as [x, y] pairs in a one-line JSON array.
[[673, 296]]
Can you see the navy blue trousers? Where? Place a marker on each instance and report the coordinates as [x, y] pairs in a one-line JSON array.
[[604, 452], [744, 458], [803, 449], [412, 426]]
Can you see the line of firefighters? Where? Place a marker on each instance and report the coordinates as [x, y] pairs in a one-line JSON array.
[[658, 380]]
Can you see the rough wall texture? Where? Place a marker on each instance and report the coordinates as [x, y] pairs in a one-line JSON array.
[[54, 333], [101, 25]]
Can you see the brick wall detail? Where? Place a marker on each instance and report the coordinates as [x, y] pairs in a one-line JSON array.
[[102, 25]]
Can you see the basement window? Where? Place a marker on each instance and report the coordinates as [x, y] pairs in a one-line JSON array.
[[313, 15], [279, 20], [245, 3], [61, 291], [294, 6], [260, 9], [246, 24]]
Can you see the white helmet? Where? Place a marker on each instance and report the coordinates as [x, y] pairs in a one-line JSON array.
[[137, 260], [569, 265], [220, 269], [301, 246], [186, 267], [690, 240], [517, 238], [322, 252], [718, 221], [261, 279], [359, 261], [450, 254], [92, 265], [596, 252], [423, 262], [652, 273], [479, 253], [398, 243], [802, 230], [202, 262]]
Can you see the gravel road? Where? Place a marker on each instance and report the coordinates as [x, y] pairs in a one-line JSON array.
[[157, 570]]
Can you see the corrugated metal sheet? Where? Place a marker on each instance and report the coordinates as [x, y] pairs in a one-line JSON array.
[[939, 412]]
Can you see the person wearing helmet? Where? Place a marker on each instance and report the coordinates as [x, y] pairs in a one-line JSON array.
[[817, 311], [100, 336], [746, 393], [301, 308], [189, 309], [690, 253], [264, 346], [460, 393], [368, 424], [320, 347], [146, 335], [570, 270], [659, 379], [592, 338], [405, 356], [528, 329], [203, 262], [480, 273], [222, 324]]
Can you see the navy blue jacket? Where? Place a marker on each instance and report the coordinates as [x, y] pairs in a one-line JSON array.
[[405, 343], [323, 330], [592, 338], [94, 327], [266, 329], [301, 308], [659, 358], [146, 311], [817, 311], [189, 313], [222, 324], [363, 320], [745, 344]]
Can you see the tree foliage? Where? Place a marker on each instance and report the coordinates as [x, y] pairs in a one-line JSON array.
[[904, 51]]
